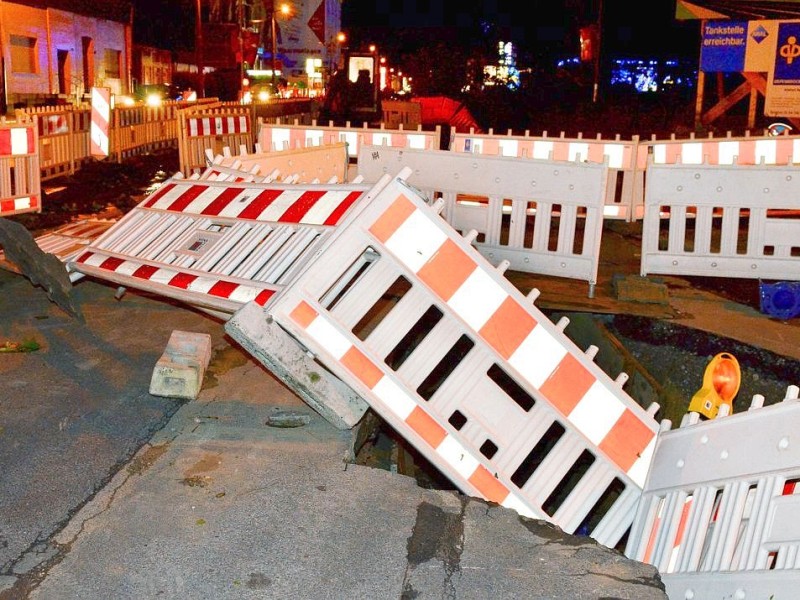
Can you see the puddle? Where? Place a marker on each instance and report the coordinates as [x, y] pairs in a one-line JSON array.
[[223, 360]]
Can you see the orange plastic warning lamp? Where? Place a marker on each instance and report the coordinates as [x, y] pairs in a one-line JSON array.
[[720, 386]]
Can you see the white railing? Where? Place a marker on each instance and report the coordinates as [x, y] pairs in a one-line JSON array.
[[722, 221], [541, 216]]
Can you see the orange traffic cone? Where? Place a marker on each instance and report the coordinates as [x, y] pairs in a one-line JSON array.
[[720, 386]]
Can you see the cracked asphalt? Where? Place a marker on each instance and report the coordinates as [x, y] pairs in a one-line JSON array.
[[109, 492]]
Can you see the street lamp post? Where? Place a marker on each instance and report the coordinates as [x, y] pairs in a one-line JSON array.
[[274, 51], [198, 49], [284, 11]]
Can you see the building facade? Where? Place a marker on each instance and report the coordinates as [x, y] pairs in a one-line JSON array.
[[55, 51]]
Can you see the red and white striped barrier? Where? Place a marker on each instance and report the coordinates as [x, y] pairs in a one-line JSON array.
[[202, 130], [626, 160], [217, 245], [221, 125], [19, 169], [101, 118]]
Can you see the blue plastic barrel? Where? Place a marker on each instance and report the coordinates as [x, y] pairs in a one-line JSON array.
[[781, 299]]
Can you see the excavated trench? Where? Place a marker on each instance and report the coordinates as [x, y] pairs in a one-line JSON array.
[[665, 363]]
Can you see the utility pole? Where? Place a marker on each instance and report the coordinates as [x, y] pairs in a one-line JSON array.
[[198, 49], [596, 88], [274, 47], [240, 24]]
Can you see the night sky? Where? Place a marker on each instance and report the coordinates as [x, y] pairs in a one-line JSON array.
[[537, 26]]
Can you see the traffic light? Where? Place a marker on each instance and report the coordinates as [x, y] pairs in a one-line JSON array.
[[590, 42]]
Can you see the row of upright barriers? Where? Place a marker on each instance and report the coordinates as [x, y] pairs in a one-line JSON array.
[[64, 140]]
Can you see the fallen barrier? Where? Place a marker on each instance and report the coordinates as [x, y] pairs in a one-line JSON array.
[[65, 242], [719, 513], [217, 245], [326, 163], [409, 315]]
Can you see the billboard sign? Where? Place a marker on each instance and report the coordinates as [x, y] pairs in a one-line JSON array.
[[738, 46], [724, 46], [783, 82]]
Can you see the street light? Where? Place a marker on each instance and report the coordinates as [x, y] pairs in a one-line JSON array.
[[284, 11]]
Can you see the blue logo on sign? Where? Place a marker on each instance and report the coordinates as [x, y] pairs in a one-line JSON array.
[[759, 34]]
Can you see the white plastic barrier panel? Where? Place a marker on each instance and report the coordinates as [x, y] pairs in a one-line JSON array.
[[542, 216], [276, 136], [722, 221], [720, 513], [218, 245], [409, 315], [305, 165], [626, 161]]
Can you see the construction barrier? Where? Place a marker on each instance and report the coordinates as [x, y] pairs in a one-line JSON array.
[[67, 241], [201, 128], [219, 173], [217, 245], [625, 160], [436, 340], [722, 221], [64, 133], [747, 150], [143, 129], [100, 145], [277, 136], [311, 164], [541, 216], [718, 515], [59, 149], [20, 185]]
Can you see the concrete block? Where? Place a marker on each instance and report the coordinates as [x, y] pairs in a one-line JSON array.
[[180, 370], [265, 340]]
